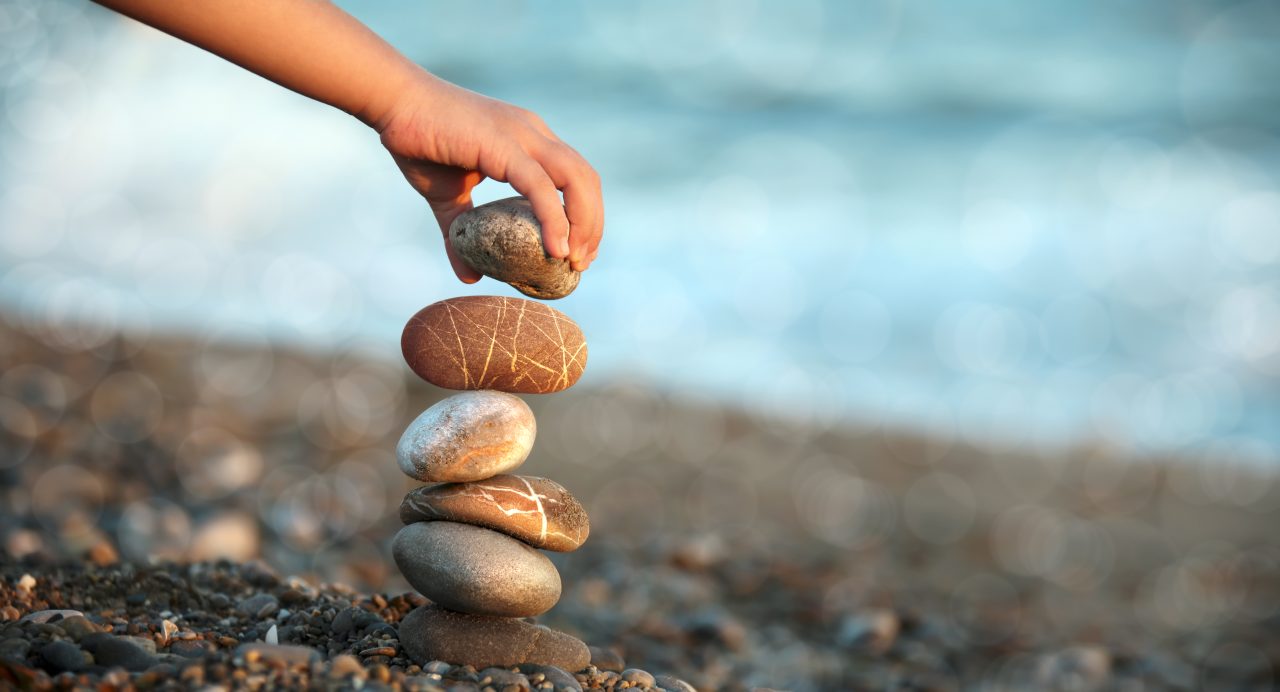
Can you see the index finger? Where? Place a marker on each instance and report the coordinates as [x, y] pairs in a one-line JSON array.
[[529, 179], [583, 202]]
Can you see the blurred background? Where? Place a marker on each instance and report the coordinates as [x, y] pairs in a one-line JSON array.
[[982, 294]]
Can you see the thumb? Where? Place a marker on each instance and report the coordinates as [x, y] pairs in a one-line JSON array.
[[445, 214]]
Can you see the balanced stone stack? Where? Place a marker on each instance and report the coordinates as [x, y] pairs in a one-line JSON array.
[[471, 542]]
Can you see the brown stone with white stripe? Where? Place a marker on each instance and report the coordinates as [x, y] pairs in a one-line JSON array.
[[535, 510], [493, 342]]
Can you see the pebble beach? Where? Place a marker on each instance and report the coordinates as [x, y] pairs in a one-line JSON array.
[[933, 348], [216, 514]]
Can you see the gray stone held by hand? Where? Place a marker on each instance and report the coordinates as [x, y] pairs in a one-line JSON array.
[[503, 240]]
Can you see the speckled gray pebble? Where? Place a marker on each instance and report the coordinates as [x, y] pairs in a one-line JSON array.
[[673, 684], [559, 677], [638, 678], [503, 240], [468, 437], [194, 648], [259, 606], [147, 644], [606, 659], [431, 633], [14, 648], [63, 656], [437, 667], [474, 570], [111, 651], [501, 678], [78, 627]]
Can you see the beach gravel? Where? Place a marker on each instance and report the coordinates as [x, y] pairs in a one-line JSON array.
[[729, 551]]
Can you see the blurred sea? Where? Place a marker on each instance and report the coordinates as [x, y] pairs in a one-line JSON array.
[[1001, 221]]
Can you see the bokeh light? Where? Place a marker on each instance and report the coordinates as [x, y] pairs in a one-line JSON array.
[[127, 406], [842, 509], [154, 529], [939, 508], [67, 495], [212, 463]]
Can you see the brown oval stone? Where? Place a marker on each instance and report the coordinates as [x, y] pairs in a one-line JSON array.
[[494, 342], [536, 510], [431, 633]]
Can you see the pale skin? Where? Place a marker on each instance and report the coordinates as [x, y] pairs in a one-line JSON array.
[[444, 138]]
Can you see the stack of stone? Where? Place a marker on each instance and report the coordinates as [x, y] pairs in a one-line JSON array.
[[471, 543]]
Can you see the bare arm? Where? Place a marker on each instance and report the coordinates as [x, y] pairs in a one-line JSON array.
[[444, 138]]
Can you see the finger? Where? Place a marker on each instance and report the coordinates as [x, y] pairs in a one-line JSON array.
[[529, 179], [595, 252], [583, 204], [536, 122], [593, 249], [445, 214], [461, 269]]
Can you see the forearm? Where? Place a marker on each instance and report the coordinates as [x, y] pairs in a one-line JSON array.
[[309, 46]]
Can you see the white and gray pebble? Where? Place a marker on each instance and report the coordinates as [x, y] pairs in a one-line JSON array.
[[41, 616], [638, 678], [469, 436], [673, 684]]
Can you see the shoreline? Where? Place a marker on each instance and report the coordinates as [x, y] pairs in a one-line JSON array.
[[729, 550]]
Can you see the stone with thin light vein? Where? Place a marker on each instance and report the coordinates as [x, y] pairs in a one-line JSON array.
[[535, 510], [493, 342], [468, 436]]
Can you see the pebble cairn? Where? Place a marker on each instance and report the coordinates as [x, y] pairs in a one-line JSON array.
[[471, 541]]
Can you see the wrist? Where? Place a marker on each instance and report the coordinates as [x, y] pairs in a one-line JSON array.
[[391, 95]]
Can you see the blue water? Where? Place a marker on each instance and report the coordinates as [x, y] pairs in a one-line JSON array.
[[1038, 223]]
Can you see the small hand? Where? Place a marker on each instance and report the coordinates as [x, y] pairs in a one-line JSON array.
[[447, 139]]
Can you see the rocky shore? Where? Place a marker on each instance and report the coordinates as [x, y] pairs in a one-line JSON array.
[[222, 515]]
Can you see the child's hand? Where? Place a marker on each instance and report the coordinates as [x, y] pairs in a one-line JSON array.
[[447, 139]]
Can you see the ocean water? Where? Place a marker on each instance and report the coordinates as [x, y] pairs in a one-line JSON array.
[[1033, 223]]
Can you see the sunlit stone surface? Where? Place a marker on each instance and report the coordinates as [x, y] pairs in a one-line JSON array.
[[491, 342], [475, 570], [436, 634], [535, 510], [503, 240], [467, 437]]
